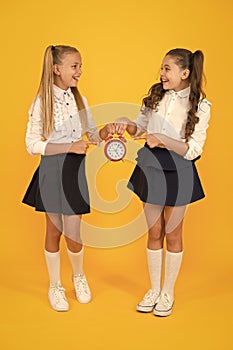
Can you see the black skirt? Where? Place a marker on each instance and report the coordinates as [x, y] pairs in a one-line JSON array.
[[165, 178], [59, 185]]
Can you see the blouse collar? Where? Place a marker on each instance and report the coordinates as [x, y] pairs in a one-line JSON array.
[[182, 93], [58, 92]]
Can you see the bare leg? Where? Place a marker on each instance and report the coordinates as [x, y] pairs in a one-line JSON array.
[[173, 226], [53, 232], [156, 225], [72, 232]]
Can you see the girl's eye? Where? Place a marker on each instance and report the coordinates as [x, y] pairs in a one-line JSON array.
[[165, 68], [74, 66]]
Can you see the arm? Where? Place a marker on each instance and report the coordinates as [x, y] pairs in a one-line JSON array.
[[118, 127], [35, 143], [197, 139], [193, 147], [79, 147], [163, 141], [125, 124], [179, 147], [108, 129], [134, 128]]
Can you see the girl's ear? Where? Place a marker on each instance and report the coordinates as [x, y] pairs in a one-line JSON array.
[[185, 74], [56, 69]]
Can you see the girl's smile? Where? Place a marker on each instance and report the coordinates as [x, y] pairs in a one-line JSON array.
[[67, 73], [172, 76]]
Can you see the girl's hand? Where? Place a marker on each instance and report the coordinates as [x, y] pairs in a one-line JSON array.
[[108, 129], [151, 140], [80, 147], [121, 125]]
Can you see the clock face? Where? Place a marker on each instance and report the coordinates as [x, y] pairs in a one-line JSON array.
[[115, 150]]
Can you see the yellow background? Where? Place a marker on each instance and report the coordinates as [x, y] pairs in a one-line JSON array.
[[122, 44]]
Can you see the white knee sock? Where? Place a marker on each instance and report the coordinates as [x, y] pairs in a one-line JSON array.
[[53, 265], [172, 268], [155, 261], [76, 260]]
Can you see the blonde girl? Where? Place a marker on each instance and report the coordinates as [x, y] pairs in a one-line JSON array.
[[58, 118]]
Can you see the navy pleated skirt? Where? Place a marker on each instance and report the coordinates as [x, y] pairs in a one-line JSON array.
[[59, 185], [165, 178]]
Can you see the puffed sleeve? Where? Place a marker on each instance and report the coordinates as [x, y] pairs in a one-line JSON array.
[[91, 130], [34, 133], [141, 121], [197, 139]]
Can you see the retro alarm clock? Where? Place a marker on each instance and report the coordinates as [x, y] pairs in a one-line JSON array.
[[115, 148]]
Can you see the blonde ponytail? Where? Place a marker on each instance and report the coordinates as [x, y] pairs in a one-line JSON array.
[[53, 55], [46, 94]]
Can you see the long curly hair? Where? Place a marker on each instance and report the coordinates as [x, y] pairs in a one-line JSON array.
[[185, 59]]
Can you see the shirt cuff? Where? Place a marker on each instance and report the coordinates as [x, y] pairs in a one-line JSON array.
[[94, 136], [140, 130], [39, 147], [194, 150]]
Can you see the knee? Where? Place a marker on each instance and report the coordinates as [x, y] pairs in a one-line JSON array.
[[171, 238], [74, 246], [156, 233], [54, 226], [54, 233], [174, 241]]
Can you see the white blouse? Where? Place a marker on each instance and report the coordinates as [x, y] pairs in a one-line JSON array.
[[170, 119], [67, 125]]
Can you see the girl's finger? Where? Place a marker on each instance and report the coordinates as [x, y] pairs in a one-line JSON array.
[[111, 129], [117, 128], [139, 138], [121, 129]]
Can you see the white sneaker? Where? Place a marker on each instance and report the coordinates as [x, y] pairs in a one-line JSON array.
[[149, 301], [57, 298], [164, 306], [82, 289]]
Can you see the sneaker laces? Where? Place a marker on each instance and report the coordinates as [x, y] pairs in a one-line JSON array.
[[59, 292], [81, 283], [150, 297], [165, 300]]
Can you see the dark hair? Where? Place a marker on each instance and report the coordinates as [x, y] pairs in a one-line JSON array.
[[185, 59]]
